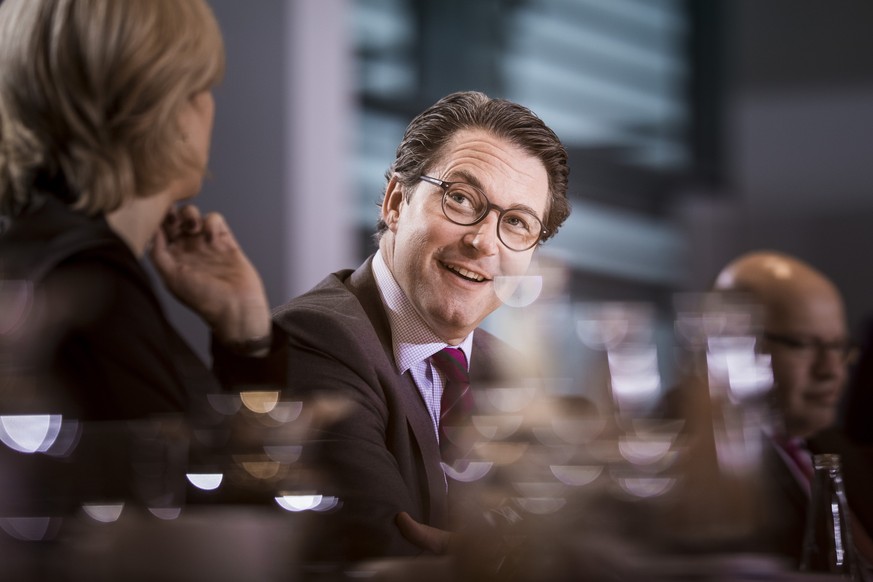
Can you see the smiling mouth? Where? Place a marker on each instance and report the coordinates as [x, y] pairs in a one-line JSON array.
[[822, 398], [464, 273]]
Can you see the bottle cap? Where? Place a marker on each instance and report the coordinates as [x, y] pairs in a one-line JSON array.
[[828, 461]]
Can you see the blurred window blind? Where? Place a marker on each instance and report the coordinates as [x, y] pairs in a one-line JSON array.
[[605, 74], [609, 76]]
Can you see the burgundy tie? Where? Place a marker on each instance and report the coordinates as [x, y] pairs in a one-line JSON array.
[[456, 404]]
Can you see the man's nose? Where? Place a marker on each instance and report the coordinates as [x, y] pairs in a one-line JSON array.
[[829, 362], [484, 237]]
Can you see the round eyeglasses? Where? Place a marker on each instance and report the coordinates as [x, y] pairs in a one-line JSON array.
[[465, 205], [810, 348]]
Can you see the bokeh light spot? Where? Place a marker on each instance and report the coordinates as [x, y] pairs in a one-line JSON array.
[[518, 290], [103, 512], [30, 433], [205, 481]]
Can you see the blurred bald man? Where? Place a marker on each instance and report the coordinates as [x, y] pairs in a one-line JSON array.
[[805, 333]]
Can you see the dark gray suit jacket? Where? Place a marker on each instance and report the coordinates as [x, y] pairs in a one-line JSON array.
[[382, 456]]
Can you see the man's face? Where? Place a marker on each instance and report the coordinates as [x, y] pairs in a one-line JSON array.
[[809, 379], [447, 271]]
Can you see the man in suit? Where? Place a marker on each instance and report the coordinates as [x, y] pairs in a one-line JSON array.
[[805, 333], [477, 185]]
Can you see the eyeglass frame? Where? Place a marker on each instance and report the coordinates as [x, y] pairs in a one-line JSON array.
[[489, 206], [846, 349]]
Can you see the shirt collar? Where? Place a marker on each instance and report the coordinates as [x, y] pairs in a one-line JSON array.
[[412, 340]]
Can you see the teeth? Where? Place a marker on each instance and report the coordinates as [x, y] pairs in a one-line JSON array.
[[465, 273]]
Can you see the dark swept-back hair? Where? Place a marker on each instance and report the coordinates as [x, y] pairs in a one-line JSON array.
[[427, 134]]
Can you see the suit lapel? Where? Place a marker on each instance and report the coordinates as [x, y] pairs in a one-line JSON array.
[[783, 480], [362, 284]]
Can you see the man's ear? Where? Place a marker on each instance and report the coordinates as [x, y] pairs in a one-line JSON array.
[[393, 203]]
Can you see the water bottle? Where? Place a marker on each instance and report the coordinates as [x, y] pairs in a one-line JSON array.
[[827, 541]]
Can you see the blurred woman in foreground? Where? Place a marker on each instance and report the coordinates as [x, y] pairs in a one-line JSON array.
[[106, 114]]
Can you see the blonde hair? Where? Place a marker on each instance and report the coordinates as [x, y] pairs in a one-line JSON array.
[[90, 94]]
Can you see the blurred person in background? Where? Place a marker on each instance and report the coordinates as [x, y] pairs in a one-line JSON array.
[[476, 186], [106, 113], [805, 333]]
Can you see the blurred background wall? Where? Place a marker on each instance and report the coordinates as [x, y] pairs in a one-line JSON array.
[[797, 138], [697, 130]]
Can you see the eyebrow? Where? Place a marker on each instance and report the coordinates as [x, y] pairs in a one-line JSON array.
[[465, 176]]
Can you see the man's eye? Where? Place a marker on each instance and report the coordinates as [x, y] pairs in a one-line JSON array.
[[460, 198], [518, 222]]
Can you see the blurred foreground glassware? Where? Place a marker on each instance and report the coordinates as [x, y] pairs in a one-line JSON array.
[[722, 398], [827, 541]]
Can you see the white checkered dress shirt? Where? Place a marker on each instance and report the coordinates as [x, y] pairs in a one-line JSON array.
[[413, 341]]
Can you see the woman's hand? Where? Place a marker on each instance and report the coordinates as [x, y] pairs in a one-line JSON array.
[[202, 264]]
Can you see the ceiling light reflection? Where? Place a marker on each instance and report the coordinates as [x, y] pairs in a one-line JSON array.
[[467, 471], [510, 399], [576, 475], [67, 439], [205, 481], [298, 502], [30, 433], [103, 512], [284, 453], [260, 401], [31, 529], [286, 411], [644, 487], [577, 431], [307, 502], [643, 451], [750, 381], [327, 503], [518, 290], [226, 404], [748, 373], [634, 374], [166, 513], [497, 427], [600, 335]]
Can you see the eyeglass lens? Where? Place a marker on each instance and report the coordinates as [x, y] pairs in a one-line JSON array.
[[809, 347], [466, 205]]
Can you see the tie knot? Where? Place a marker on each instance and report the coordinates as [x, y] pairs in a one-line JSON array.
[[452, 362]]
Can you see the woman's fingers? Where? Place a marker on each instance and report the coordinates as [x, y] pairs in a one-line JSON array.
[[191, 222], [217, 232]]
